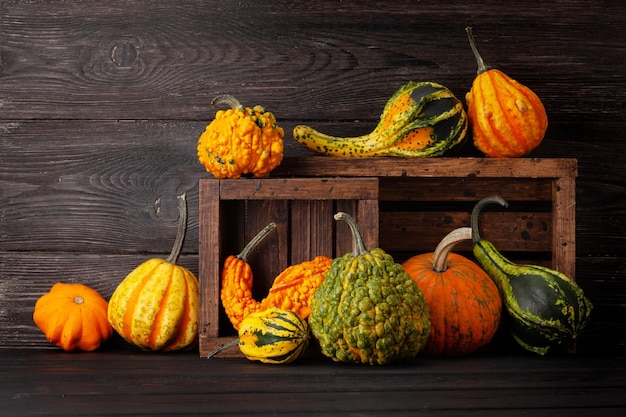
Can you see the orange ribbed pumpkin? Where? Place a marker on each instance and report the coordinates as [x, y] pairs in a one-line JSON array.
[[465, 305], [156, 306], [507, 118], [73, 317]]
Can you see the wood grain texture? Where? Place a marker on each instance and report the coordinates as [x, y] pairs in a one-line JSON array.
[[46, 383], [101, 105]]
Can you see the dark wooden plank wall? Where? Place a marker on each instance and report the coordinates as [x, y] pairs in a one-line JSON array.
[[101, 104]]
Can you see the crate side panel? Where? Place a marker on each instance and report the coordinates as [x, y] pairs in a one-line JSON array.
[[209, 259]]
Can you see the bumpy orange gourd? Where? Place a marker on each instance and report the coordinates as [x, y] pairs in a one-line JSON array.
[[507, 118], [241, 140], [73, 317], [291, 290], [465, 305], [156, 306]]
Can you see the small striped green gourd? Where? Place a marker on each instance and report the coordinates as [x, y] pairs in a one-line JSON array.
[[274, 336], [548, 310], [420, 120]]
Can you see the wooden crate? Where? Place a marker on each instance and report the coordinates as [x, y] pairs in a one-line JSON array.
[[416, 201], [233, 211]]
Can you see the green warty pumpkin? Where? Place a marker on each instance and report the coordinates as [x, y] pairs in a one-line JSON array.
[[368, 309]]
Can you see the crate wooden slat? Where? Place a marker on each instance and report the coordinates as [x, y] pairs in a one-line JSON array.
[[317, 166], [415, 201], [233, 211], [541, 193]]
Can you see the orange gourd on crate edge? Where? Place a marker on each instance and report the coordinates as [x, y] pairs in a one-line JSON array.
[[156, 306], [464, 303], [73, 317], [241, 140], [507, 118]]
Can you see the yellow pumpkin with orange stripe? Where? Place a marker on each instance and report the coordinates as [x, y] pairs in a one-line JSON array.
[[156, 306]]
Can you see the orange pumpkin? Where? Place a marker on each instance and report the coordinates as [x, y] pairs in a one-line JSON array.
[[507, 118], [465, 305], [73, 317]]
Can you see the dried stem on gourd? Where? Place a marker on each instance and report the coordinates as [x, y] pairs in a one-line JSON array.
[[182, 228], [227, 99], [255, 241], [444, 247], [477, 209], [228, 345], [358, 246], [479, 59]]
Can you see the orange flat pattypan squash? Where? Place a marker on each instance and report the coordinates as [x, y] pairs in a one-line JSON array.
[[73, 317]]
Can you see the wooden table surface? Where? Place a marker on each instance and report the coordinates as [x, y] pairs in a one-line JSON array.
[[133, 383]]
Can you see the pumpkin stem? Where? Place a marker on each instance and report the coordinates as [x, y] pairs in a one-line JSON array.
[[477, 209], [358, 246], [479, 59], [182, 228], [444, 247], [226, 99], [255, 241], [228, 345]]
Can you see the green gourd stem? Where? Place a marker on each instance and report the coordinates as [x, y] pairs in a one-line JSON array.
[[444, 247], [227, 99], [228, 345], [478, 208], [479, 59], [255, 241], [358, 246], [182, 228]]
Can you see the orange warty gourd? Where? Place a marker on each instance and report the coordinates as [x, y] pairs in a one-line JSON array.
[[73, 317], [241, 140], [507, 118], [291, 290], [465, 305], [156, 306]]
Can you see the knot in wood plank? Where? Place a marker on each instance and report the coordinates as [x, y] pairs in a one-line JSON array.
[[124, 54]]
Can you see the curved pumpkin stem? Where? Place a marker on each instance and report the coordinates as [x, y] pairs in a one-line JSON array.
[[182, 228], [444, 247], [227, 99], [479, 59], [255, 241], [357, 238], [478, 208], [225, 346]]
